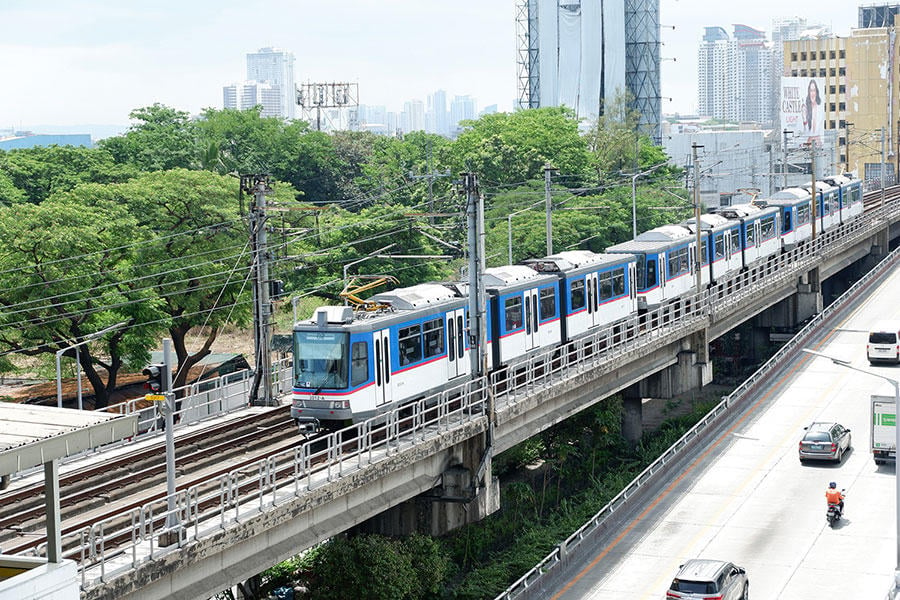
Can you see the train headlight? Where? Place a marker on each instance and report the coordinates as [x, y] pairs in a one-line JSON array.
[[339, 404], [299, 404]]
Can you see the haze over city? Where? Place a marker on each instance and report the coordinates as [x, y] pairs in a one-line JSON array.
[[93, 61]]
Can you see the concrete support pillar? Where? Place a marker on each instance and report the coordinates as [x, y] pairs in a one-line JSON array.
[[692, 372], [632, 419], [809, 296], [467, 493]]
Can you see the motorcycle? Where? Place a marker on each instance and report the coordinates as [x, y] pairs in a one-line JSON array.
[[834, 513]]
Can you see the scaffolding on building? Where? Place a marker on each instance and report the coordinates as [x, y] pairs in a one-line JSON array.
[[527, 61], [642, 63]]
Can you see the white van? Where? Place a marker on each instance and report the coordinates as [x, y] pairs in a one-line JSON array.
[[884, 342]]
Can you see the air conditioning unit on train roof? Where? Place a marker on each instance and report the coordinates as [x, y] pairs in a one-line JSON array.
[[333, 314]]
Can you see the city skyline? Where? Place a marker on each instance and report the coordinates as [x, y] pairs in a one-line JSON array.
[[93, 61]]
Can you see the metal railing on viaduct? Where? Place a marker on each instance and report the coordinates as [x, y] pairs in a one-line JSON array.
[[295, 499]]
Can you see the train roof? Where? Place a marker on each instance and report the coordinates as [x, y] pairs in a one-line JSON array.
[[417, 296], [510, 276], [707, 221], [665, 233], [742, 211], [837, 180], [792, 193], [572, 260]]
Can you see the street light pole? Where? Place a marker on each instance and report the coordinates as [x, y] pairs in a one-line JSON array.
[[846, 364], [61, 351]]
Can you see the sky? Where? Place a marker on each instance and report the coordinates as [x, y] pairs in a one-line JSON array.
[[79, 62]]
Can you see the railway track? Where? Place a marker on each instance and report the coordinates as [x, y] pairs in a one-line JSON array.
[[127, 481]]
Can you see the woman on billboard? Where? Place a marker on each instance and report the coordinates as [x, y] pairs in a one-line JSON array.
[[813, 114]]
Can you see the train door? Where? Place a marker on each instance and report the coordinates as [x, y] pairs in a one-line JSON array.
[[531, 319], [457, 358], [593, 299], [382, 341]]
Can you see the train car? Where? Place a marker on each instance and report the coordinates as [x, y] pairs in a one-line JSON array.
[[352, 365], [849, 195], [828, 212], [724, 250], [522, 313], [664, 257], [795, 209], [595, 289], [759, 230]]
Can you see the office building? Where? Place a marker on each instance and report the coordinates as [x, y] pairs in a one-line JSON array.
[[247, 94]]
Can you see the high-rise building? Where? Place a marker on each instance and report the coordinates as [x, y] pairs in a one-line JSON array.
[[275, 67], [247, 94], [462, 108], [582, 53], [882, 15], [437, 110], [735, 80], [859, 98], [413, 117]]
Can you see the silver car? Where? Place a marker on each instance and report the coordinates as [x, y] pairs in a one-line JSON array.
[[702, 578], [824, 441]]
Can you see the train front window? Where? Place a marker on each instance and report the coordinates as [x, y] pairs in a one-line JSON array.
[[320, 359]]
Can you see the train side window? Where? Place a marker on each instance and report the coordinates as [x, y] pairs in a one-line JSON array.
[[460, 336], [651, 273], [528, 318], [618, 282], [767, 228], [606, 286], [512, 307], [548, 303], [751, 234], [786, 220], [359, 363], [410, 344], [576, 290], [720, 247], [735, 241], [434, 337], [534, 312]]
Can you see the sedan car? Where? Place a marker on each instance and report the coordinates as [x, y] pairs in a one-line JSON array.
[[824, 441], [703, 578]]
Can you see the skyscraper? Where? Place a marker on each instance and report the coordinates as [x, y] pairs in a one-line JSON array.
[[275, 67], [735, 80], [247, 94], [582, 53]]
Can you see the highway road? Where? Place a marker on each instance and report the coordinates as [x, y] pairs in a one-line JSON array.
[[748, 499]]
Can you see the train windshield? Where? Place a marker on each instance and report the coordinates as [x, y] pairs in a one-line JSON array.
[[320, 359]]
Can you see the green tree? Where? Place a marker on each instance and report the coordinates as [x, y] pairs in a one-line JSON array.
[[195, 258], [373, 567], [511, 148], [41, 171], [163, 138], [66, 274]]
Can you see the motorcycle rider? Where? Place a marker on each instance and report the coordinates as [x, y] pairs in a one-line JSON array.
[[834, 496]]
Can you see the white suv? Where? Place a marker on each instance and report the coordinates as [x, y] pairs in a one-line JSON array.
[[705, 579]]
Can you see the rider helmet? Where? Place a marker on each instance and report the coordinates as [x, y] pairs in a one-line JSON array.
[[832, 485]]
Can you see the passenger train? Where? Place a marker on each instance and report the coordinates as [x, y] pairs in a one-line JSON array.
[[351, 365]]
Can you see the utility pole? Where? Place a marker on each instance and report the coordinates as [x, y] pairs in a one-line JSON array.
[[258, 185], [430, 176], [477, 324], [881, 170], [784, 159], [547, 171], [848, 124], [168, 406], [813, 192], [698, 262]]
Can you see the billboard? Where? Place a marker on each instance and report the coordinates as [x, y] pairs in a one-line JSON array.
[[803, 109]]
